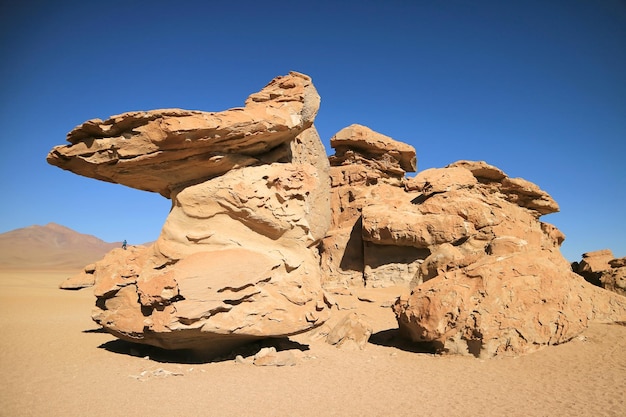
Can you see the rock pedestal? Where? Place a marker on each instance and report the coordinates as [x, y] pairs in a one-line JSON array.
[[237, 258]]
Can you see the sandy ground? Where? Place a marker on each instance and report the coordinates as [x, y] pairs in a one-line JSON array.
[[55, 362]]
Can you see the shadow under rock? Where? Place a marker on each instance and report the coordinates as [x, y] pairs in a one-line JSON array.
[[188, 356], [98, 330], [392, 338]]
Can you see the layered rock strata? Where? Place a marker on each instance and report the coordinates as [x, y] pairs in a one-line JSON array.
[[169, 149], [367, 168]]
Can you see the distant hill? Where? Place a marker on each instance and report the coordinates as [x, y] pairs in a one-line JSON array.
[[50, 247]]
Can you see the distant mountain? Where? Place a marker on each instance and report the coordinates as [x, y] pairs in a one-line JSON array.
[[50, 247]]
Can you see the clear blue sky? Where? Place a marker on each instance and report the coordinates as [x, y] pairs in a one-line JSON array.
[[537, 88]]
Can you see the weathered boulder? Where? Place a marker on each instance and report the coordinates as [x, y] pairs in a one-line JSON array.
[[166, 150], [233, 263], [237, 257], [504, 305], [360, 144], [503, 287], [615, 279], [269, 356], [601, 268], [83, 279], [351, 333]]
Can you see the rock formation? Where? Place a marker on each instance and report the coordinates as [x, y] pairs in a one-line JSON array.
[[83, 279], [487, 277], [367, 168], [265, 231], [601, 268], [495, 282], [166, 150], [236, 259]]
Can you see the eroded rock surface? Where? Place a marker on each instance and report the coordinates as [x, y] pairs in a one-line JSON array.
[[367, 168], [601, 268], [495, 282], [487, 276], [166, 150], [267, 235], [83, 279], [236, 259]]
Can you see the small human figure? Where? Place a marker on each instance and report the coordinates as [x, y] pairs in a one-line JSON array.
[[124, 244]]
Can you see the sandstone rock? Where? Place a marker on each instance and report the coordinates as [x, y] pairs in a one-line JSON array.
[[388, 265], [483, 171], [270, 357], [487, 276], [526, 194], [615, 279], [594, 264], [83, 279], [351, 333], [367, 167], [436, 180], [264, 239], [602, 269], [237, 257], [411, 228], [360, 144], [503, 288], [504, 306], [191, 289], [166, 150]]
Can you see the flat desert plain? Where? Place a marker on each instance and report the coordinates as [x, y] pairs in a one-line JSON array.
[[54, 361]]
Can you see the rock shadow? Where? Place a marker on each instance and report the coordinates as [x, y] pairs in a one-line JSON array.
[[98, 330], [189, 356], [392, 338], [352, 259]]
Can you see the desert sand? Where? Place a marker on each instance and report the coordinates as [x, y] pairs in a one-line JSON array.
[[55, 361]]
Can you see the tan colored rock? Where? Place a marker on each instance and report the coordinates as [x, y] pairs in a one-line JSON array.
[[308, 149], [192, 289], [237, 258], [615, 279], [387, 265], [506, 245], [439, 180], [526, 194], [444, 257], [166, 150], [367, 167], [504, 306], [602, 269], [351, 333], [483, 171], [597, 261], [505, 288], [487, 276], [360, 144], [265, 240], [271, 357], [341, 254], [83, 279], [411, 228]]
